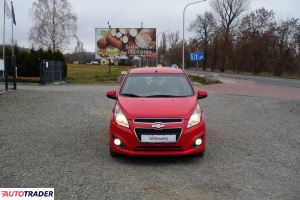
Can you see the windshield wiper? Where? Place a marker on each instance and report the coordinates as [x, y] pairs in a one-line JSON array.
[[130, 95], [162, 95]]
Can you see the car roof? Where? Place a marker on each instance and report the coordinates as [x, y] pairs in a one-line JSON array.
[[158, 70]]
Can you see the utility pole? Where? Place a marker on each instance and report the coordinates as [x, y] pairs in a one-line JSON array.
[[5, 68], [3, 44], [13, 60]]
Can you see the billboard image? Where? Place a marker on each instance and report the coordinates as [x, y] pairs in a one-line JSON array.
[[125, 43]]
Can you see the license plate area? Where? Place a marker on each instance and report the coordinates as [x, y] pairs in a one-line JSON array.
[[164, 136], [158, 139]]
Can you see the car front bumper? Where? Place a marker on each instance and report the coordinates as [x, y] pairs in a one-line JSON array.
[[133, 147]]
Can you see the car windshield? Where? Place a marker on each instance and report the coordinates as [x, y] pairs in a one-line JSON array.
[[157, 85]]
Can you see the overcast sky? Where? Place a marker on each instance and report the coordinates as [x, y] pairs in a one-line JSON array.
[[161, 14]]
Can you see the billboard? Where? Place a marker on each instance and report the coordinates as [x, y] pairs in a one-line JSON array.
[[125, 43]]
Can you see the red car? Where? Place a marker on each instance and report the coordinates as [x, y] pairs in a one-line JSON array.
[[157, 114]]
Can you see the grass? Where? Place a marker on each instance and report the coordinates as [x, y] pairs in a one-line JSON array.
[[202, 80], [93, 73], [99, 74]]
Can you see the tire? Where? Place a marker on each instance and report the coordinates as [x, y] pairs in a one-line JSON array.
[[113, 154]]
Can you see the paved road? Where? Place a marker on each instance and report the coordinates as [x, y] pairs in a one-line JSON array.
[[259, 79], [57, 136]]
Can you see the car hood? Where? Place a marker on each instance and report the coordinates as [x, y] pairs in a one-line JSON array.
[[157, 107]]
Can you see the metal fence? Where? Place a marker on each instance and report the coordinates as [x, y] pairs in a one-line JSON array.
[[51, 71]]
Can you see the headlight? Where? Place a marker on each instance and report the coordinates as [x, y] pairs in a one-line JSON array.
[[120, 117], [195, 117]]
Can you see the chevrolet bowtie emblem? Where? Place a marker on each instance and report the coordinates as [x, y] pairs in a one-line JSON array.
[[158, 125]]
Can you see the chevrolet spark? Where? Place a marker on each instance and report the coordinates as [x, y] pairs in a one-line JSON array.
[[157, 114]]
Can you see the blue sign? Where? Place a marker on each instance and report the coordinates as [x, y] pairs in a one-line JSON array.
[[197, 56]]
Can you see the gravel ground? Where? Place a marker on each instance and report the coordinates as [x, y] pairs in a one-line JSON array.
[[57, 136]]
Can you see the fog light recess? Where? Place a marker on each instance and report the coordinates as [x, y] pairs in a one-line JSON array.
[[198, 142], [117, 142]]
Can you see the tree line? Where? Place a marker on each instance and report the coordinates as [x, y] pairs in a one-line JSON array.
[[235, 39], [28, 60]]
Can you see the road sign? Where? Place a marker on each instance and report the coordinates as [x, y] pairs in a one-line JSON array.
[[197, 56]]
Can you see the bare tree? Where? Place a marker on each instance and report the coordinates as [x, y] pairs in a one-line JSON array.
[[162, 49], [173, 40], [163, 42], [256, 35], [286, 32], [257, 23], [79, 51], [54, 24], [205, 27], [252, 42], [228, 11]]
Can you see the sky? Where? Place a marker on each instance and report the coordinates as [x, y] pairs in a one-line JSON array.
[[165, 15]]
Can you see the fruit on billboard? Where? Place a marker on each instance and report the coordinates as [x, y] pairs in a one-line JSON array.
[[126, 43]]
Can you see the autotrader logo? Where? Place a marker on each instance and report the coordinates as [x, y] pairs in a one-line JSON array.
[[27, 193]]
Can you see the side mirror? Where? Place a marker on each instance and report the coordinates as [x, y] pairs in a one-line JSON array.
[[112, 94], [202, 94]]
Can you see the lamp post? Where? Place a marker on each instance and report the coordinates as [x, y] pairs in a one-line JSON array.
[[183, 29], [157, 35]]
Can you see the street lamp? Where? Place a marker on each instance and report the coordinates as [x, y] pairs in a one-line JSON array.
[[183, 40], [157, 35]]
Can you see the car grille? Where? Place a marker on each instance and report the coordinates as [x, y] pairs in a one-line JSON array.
[[158, 148], [171, 131], [154, 120]]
